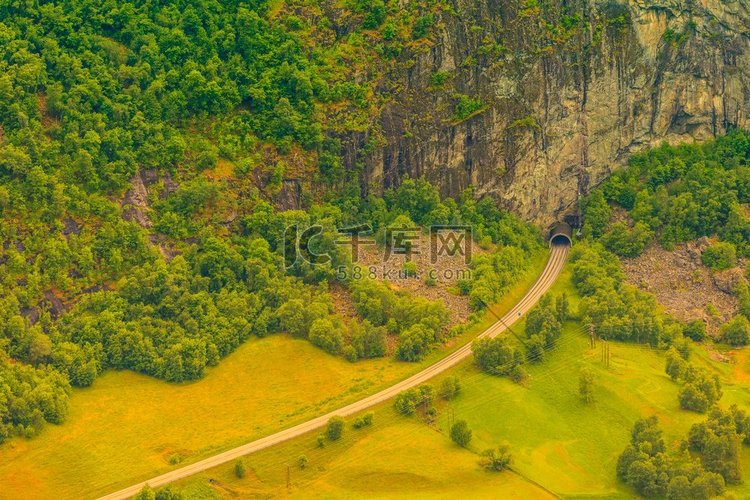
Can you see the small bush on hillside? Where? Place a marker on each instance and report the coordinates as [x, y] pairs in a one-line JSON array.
[[461, 434], [496, 459], [586, 385], [335, 428], [736, 332], [168, 493], [695, 330], [240, 469], [363, 421], [146, 493], [407, 402], [720, 256], [449, 388]]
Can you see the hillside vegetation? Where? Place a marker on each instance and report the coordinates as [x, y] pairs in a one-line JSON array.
[[143, 154], [264, 386], [573, 454], [598, 354], [676, 194]]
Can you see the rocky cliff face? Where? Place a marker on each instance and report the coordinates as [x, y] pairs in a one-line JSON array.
[[567, 91]]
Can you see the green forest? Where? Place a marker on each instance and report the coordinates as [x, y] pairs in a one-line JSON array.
[[148, 154], [677, 194], [93, 93]]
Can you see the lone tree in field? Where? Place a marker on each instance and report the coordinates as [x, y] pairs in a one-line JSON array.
[[335, 428], [496, 459], [240, 469], [461, 434], [586, 386], [449, 388]]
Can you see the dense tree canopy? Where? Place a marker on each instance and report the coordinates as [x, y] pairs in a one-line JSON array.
[[678, 193], [616, 309], [652, 470]]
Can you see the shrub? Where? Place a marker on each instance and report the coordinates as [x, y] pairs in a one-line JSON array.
[[465, 107], [736, 332], [627, 242], [422, 25], [407, 402], [695, 330], [363, 421], [497, 356], [146, 493], [691, 398], [438, 78], [410, 269], [414, 343], [324, 335], [720, 256], [335, 428], [675, 365], [358, 423], [168, 493], [586, 385], [369, 341], [449, 388], [700, 390], [207, 159], [496, 459], [460, 433], [517, 374], [240, 469], [350, 354], [302, 461], [368, 418]]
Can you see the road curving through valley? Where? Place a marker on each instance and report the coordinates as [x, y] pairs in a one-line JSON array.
[[557, 257]]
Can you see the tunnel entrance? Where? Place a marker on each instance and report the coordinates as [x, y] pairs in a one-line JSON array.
[[561, 234]]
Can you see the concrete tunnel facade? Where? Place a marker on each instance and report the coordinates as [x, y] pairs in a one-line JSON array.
[[561, 234]]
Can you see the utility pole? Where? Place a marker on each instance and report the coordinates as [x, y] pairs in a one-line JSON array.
[[592, 336], [606, 354], [288, 478]]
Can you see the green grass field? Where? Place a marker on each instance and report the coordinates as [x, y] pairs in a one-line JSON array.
[[394, 458], [129, 427], [557, 441]]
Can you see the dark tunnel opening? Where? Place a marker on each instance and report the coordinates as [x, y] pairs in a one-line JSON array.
[[560, 239], [561, 234]]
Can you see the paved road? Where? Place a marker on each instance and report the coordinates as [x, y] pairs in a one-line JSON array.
[[558, 254]]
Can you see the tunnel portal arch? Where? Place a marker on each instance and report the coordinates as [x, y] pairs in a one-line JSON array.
[[561, 234]]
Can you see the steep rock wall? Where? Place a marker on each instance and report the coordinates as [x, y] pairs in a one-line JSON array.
[[562, 108]]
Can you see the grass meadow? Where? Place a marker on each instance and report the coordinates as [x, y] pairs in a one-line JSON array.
[[128, 427], [559, 444]]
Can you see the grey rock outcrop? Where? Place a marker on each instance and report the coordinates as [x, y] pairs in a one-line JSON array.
[[559, 113]]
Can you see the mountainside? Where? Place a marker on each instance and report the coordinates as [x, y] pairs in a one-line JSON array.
[[562, 91]]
